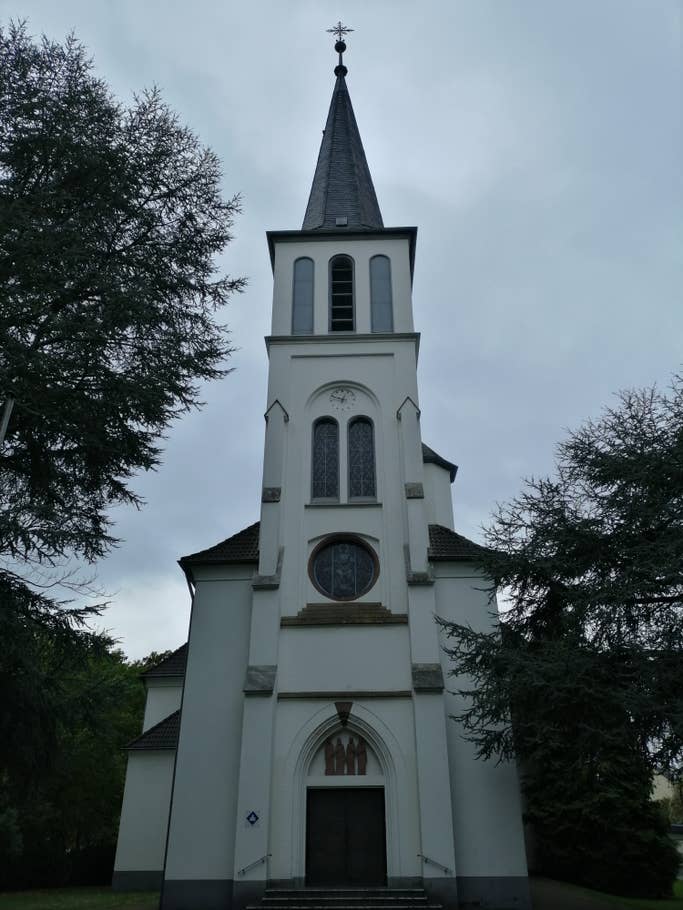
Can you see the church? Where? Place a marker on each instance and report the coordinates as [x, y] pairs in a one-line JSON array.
[[300, 749]]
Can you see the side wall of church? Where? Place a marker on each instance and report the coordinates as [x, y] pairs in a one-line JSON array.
[[438, 500], [487, 818], [163, 698], [140, 849], [202, 823]]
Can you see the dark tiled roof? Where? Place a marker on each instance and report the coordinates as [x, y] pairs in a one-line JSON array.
[[241, 547], [429, 456], [342, 185], [163, 735], [446, 545], [173, 665]]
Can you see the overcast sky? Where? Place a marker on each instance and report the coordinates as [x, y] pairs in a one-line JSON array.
[[537, 145]]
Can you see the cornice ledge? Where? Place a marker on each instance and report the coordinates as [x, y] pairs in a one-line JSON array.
[[343, 338]]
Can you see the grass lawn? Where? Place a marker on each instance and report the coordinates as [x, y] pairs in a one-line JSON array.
[[643, 903], [79, 899], [106, 899], [552, 894]]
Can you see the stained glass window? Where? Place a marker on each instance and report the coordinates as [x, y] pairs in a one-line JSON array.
[[343, 570], [381, 308], [361, 459], [302, 302], [325, 480], [341, 294]]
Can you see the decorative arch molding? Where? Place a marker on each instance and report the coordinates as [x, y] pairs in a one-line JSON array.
[[305, 745], [370, 538]]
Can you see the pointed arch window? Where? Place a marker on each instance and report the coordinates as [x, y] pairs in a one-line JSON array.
[[381, 303], [361, 459], [325, 468], [341, 294], [302, 297]]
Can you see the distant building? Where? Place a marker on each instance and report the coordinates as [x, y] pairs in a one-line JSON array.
[[302, 737]]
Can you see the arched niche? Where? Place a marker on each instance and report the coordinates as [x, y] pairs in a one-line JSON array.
[[345, 756]]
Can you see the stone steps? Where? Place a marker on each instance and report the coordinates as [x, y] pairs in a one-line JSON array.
[[345, 899]]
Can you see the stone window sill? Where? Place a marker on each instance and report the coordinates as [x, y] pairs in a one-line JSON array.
[[354, 504]]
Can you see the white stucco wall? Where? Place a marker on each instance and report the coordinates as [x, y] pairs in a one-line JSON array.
[[487, 819], [202, 826], [361, 251], [437, 483], [144, 813], [239, 754], [302, 376], [339, 659], [163, 698]]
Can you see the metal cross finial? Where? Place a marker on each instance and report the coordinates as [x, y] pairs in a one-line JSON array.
[[339, 30]]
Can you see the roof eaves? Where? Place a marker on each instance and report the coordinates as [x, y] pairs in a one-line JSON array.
[[173, 665], [354, 233], [239, 549], [446, 545], [161, 737], [429, 456]]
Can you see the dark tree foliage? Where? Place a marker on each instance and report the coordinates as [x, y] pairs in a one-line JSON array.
[[584, 679], [59, 818], [39, 639], [110, 221]]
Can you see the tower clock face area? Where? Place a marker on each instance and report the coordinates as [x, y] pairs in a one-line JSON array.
[[343, 568], [342, 399]]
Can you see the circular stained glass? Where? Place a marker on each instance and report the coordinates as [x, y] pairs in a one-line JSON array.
[[343, 569]]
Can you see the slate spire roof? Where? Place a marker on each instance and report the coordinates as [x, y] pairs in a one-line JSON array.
[[342, 185]]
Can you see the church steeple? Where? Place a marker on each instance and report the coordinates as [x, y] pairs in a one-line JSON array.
[[342, 194]]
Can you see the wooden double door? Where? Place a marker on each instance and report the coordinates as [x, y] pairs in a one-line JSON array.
[[346, 836]]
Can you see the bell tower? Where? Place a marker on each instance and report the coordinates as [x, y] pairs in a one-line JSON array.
[[348, 603]]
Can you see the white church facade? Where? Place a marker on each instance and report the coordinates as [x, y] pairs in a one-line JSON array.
[[303, 738]]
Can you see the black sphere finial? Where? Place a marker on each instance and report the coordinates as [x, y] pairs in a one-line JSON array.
[[340, 46]]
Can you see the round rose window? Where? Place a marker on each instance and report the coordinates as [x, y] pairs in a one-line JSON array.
[[343, 568]]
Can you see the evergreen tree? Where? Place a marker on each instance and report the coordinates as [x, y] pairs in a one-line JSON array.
[[583, 681], [111, 219]]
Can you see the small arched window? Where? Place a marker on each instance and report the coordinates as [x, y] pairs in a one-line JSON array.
[[341, 294], [302, 297], [325, 468], [381, 305], [361, 459]]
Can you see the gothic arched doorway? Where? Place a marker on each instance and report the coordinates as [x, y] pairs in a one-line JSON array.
[[345, 814]]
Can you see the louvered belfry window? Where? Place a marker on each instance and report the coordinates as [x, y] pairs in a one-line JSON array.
[[361, 459], [325, 480], [341, 294]]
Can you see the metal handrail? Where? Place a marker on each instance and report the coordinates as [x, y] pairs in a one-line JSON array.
[[433, 862], [256, 862]]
